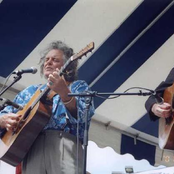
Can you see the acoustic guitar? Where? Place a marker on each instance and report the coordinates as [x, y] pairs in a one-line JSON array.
[[35, 115], [166, 126]]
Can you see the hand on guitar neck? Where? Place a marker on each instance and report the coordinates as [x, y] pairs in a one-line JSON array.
[[60, 86], [162, 110]]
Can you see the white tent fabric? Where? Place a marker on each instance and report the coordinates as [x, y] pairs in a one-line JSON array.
[[167, 170]]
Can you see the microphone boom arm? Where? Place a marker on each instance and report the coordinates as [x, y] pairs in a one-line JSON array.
[[16, 79], [88, 98], [94, 93]]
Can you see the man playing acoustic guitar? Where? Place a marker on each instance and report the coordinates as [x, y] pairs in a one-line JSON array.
[[155, 105], [57, 149], [161, 106]]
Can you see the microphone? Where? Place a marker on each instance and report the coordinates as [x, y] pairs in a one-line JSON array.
[[9, 102], [32, 70]]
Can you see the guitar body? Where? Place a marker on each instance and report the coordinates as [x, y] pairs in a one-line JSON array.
[[14, 146], [166, 126]]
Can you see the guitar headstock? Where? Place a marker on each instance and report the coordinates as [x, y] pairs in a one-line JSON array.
[[83, 52], [77, 56]]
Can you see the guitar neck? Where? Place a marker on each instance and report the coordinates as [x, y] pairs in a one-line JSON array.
[[64, 67]]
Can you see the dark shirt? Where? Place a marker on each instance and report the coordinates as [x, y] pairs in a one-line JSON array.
[[159, 93]]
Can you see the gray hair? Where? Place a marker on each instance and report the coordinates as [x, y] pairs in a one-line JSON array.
[[67, 53]]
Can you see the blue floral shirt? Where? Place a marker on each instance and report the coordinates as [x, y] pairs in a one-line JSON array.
[[60, 119]]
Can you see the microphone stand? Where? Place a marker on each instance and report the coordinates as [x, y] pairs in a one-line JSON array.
[[16, 78], [88, 98]]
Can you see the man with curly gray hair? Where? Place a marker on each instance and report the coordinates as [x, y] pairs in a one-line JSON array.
[[58, 147]]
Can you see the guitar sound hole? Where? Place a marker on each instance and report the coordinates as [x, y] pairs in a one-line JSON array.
[[27, 113]]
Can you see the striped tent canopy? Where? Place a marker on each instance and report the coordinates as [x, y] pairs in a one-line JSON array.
[[134, 44]]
